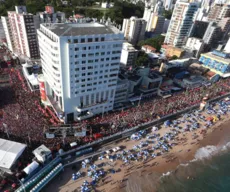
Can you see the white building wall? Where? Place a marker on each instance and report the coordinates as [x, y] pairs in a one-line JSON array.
[[181, 22], [88, 71], [7, 32], [227, 46]]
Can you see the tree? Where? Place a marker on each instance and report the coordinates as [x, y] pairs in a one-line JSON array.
[[174, 57], [167, 14], [124, 9], [142, 59], [155, 42]]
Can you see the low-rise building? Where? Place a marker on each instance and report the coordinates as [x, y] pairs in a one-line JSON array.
[[128, 54], [49, 16], [121, 93], [194, 45], [170, 51], [216, 61]]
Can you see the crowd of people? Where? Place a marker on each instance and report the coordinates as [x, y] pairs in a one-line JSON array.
[[26, 119]]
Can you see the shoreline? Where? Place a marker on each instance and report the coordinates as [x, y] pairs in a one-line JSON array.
[[218, 135], [138, 174]]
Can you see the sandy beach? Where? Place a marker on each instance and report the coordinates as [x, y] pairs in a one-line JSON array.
[[138, 176]]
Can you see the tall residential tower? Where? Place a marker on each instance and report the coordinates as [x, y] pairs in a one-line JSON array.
[[181, 22]]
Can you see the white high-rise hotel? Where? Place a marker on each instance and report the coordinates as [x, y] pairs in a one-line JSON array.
[[80, 65]]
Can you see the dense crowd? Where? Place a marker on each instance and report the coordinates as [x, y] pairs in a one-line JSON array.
[[26, 119]]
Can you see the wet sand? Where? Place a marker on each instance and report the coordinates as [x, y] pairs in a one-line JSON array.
[[138, 176]]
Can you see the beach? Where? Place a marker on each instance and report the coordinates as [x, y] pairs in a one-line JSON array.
[[144, 175]]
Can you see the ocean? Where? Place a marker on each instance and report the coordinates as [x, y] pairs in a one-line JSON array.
[[208, 172]]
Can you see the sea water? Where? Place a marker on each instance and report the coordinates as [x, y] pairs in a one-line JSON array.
[[209, 171]]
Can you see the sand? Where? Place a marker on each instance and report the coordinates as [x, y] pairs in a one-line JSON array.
[[135, 174]]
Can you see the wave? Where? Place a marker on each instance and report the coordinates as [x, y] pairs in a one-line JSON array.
[[166, 174], [206, 152]]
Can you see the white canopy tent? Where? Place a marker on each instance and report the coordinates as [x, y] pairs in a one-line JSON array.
[[10, 151]]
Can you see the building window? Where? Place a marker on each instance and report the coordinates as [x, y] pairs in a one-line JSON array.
[[76, 49], [102, 39], [82, 40], [83, 55], [75, 40], [90, 39]]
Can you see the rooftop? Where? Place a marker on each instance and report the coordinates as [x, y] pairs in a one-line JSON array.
[[212, 56], [10, 151], [76, 29], [134, 77]]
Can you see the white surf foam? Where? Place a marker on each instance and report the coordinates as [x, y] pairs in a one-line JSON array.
[[165, 174], [206, 152]]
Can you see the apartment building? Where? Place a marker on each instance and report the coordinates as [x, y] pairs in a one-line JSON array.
[[128, 54], [181, 22], [218, 12], [7, 32], [134, 29], [212, 34], [20, 29], [80, 65]]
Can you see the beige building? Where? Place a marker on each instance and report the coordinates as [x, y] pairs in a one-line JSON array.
[[134, 29], [218, 12]]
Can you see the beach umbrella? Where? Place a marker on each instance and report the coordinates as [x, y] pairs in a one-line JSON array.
[[209, 118]]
